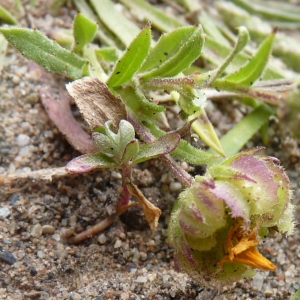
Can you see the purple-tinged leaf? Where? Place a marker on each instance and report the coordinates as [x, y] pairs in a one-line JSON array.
[[163, 145], [59, 111], [88, 162]]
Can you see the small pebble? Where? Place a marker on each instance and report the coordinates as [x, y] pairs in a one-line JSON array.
[[7, 257], [102, 239], [118, 244], [36, 230], [4, 213], [175, 186], [23, 140], [141, 279], [75, 296], [48, 229], [124, 296]]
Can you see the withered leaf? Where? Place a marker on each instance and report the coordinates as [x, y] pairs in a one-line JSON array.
[[152, 213], [96, 103], [59, 111]]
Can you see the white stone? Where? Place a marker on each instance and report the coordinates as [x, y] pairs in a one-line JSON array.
[[23, 140], [4, 213]]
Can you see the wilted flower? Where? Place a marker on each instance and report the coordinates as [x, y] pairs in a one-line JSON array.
[[218, 221]]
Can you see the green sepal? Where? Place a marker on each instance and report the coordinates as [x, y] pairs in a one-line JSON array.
[[84, 31], [173, 53], [132, 59], [45, 52]]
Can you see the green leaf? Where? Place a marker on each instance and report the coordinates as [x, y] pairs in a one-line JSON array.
[[95, 69], [107, 53], [124, 136], [205, 130], [233, 141], [271, 11], [160, 19], [104, 144], [142, 108], [242, 41], [215, 53], [88, 162], [174, 52], [6, 16], [115, 21], [131, 151], [296, 296], [254, 68], [84, 31], [192, 155], [47, 53], [163, 145], [132, 59]]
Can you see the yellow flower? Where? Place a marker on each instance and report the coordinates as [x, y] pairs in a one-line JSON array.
[[241, 247]]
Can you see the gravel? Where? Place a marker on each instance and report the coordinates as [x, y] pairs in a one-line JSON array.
[[126, 261]]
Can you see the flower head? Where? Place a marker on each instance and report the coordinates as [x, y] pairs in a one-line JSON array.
[[218, 221]]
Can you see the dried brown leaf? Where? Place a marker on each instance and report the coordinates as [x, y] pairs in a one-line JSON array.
[[96, 102], [152, 213]]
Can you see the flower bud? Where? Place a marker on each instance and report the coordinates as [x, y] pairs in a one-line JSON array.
[[218, 221]]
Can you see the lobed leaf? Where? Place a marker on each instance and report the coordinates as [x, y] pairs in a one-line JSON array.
[[84, 31], [174, 52], [47, 53], [132, 59]]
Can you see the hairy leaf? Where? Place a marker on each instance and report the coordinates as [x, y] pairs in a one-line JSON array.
[[88, 162], [174, 52], [84, 31], [255, 66], [47, 53], [131, 151], [132, 59], [163, 145]]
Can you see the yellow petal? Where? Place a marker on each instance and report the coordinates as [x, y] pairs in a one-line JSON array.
[[253, 258]]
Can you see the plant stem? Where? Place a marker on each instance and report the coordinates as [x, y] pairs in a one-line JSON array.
[[126, 176], [185, 178], [91, 231]]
